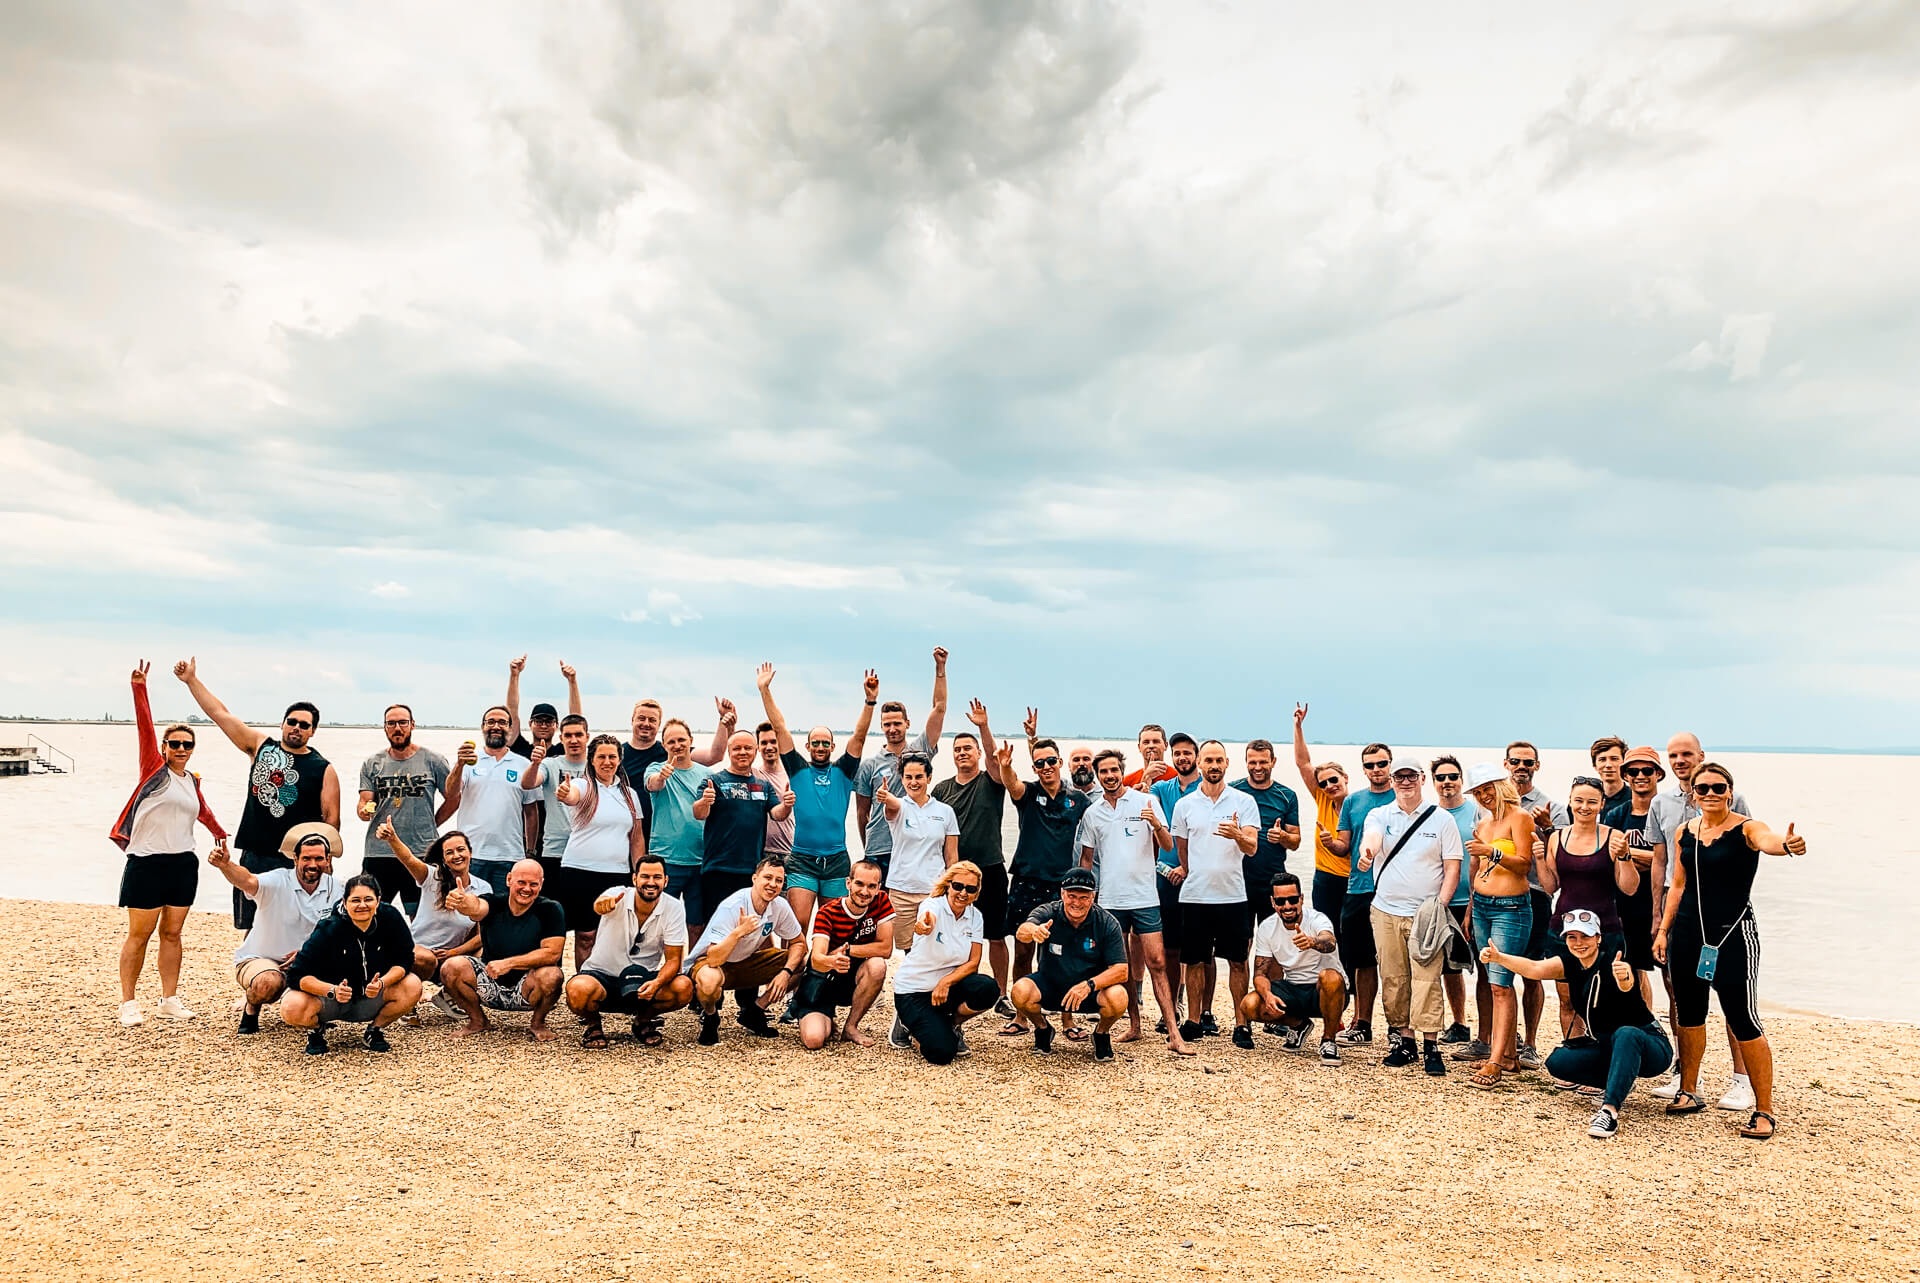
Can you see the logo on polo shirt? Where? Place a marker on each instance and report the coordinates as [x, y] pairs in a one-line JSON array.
[[1086, 944], [512, 775]]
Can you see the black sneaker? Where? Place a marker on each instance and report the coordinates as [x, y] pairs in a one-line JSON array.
[[1358, 1032], [1103, 1046], [960, 1047], [1275, 1028], [1436, 1064], [791, 1016], [1160, 1025], [1190, 1029], [1043, 1039], [1329, 1052], [1297, 1036], [249, 1023], [1209, 1027], [1456, 1033], [1404, 1053], [758, 1025], [316, 1042], [709, 1028], [1604, 1125], [1243, 1037], [374, 1040]]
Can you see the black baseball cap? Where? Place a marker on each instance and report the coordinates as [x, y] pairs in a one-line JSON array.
[[1079, 880], [544, 713]]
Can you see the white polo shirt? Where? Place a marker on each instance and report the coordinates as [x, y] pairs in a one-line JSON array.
[[1124, 856], [919, 844], [777, 921], [1415, 873], [490, 807], [936, 954], [284, 914], [1216, 870], [624, 941]]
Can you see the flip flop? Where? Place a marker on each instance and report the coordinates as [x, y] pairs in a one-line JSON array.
[[1076, 1034], [1487, 1077], [1753, 1132], [1693, 1106], [1012, 1029]]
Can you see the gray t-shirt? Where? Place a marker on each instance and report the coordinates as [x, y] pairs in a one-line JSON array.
[[558, 826], [884, 766], [407, 791]]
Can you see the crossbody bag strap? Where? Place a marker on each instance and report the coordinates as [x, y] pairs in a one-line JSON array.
[[1413, 828]]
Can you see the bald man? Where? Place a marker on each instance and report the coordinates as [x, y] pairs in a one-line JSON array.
[[734, 805], [822, 787], [518, 967]]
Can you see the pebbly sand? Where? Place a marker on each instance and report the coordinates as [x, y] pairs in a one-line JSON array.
[[180, 1151]]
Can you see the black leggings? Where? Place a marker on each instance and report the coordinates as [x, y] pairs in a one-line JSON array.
[[933, 1027], [1736, 978]]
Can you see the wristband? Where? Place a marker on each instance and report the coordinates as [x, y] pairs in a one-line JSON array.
[[872, 702]]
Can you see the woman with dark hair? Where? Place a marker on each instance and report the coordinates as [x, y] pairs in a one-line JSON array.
[[155, 829], [606, 840], [439, 933], [1589, 866], [356, 967], [1710, 944]]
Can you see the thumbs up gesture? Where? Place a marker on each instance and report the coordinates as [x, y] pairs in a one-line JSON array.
[[1795, 844], [1042, 931], [343, 992], [1617, 845], [1622, 973]]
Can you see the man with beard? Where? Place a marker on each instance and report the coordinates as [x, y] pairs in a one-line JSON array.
[[1279, 827], [1049, 818], [980, 801], [876, 839], [1083, 965], [1121, 833], [291, 901], [644, 751], [1641, 770], [1296, 972], [1181, 779], [1523, 761], [850, 942], [290, 783], [1214, 829], [1357, 953], [635, 966], [557, 827], [401, 785], [822, 787], [489, 794], [1080, 771]]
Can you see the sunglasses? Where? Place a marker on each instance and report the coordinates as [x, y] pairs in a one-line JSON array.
[[179, 743], [1377, 766], [1286, 899], [1639, 772], [300, 723], [1523, 761], [1407, 777], [1330, 781], [1445, 777], [964, 888], [1713, 790], [1042, 763], [819, 743]]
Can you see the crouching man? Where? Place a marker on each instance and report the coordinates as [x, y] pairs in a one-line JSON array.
[[637, 954], [1296, 974], [1082, 966]]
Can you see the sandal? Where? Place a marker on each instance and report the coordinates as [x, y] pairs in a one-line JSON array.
[[1076, 1034], [1693, 1104], [594, 1039], [1013, 1029], [648, 1033], [1753, 1132], [1488, 1076]]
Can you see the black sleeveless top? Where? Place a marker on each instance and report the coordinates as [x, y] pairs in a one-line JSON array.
[[283, 789], [1720, 894]]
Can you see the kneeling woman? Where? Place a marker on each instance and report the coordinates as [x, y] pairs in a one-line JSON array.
[[357, 966], [1612, 1037], [938, 987], [1709, 943]]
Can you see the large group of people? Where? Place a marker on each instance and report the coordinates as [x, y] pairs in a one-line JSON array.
[[685, 875]]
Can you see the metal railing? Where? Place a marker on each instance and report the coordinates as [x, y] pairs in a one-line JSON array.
[[50, 752]]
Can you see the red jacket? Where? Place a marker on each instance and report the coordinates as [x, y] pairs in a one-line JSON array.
[[153, 776]]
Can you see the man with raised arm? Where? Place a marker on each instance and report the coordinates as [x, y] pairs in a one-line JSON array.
[[884, 767], [637, 958], [980, 801], [547, 824], [290, 903], [822, 786], [290, 783], [644, 750], [1050, 814]]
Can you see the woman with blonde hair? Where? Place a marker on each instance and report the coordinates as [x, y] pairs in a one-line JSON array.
[[938, 987], [1502, 912]]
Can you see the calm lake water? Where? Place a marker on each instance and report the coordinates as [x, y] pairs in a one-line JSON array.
[[1829, 921]]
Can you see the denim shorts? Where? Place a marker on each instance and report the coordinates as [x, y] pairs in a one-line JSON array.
[[1505, 922]]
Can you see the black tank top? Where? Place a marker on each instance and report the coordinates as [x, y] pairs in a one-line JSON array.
[[283, 789], [1721, 893]]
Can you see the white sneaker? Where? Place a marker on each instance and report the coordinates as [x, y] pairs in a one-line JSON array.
[[1739, 1097], [174, 1009], [130, 1014], [443, 1003], [1668, 1089]]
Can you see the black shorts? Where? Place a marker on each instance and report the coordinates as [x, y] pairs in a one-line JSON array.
[[1259, 904], [1542, 923], [1171, 934], [576, 891], [1459, 954], [1301, 1001], [1214, 931], [993, 900], [160, 881], [825, 992], [1356, 932], [1053, 994], [621, 988], [1636, 925], [254, 862], [1024, 895], [394, 880]]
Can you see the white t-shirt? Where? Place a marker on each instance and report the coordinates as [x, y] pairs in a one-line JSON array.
[[949, 945], [1415, 873], [1274, 939], [437, 928], [624, 942], [601, 844], [919, 844], [490, 807], [164, 823], [777, 921], [1124, 856], [284, 914], [1215, 865]]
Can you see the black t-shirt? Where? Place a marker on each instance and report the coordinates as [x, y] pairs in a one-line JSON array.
[[502, 935], [1596, 999], [1276, 802], [736, 832], [981, 806], [1047, 826], [633, 768], [283, 789], [1072, 954]]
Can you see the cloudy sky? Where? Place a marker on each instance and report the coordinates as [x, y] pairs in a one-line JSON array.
[[1467, 370]]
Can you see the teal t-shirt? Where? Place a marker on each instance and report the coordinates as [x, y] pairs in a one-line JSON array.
[[820, 798], [1353, 820], [1169, 792], [677, 837]]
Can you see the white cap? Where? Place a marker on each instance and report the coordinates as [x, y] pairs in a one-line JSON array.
[[1482, 774], [1580, 922], [1406, 764]]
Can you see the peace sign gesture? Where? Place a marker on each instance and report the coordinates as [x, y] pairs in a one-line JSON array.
[[1032, 725], [140, 673]]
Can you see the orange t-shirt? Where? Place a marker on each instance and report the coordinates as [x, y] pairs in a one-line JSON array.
[[1327, 813]]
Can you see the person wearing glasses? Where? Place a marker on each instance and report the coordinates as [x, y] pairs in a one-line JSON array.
[[1327, 786], [403, 785], [926, 839], [1523, 761], [155, 829], [1296, 973], [488, 797], [938, 986], [980, 800], [1709, 942], [1641, 772], [1050, 814], [1083, 964], [290, 782], [1357, 953], [1501, 851]]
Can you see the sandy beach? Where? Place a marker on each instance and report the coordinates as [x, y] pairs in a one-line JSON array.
[[181, 1151]]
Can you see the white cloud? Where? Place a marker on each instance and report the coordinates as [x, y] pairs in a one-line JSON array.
[[390, 590]]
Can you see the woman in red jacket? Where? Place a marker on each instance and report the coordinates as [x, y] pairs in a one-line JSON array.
[[155, 829]]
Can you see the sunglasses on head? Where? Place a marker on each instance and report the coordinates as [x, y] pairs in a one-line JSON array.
[[1042, 763], [1714, 789], [1445, 777], [1638, 772], [1286, 899], [300, 723], [179, 743], [964, 888], [1523, 761]]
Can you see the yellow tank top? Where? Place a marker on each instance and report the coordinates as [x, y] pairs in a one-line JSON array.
[[1502, 845]]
